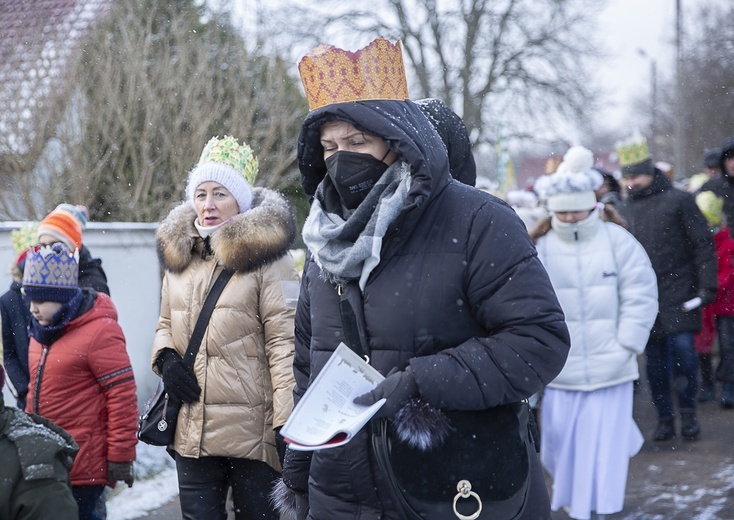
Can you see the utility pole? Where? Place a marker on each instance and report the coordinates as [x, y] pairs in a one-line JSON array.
[[680, 153]]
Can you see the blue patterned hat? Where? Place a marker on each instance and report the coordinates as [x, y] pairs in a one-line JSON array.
[[51, 273]]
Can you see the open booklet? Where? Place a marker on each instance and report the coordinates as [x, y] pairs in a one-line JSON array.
[[326, 417]]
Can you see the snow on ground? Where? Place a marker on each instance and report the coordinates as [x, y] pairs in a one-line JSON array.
[[156, 484]]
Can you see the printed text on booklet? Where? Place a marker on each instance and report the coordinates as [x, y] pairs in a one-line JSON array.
[[326, 417]]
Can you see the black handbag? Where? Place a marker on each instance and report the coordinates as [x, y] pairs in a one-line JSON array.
[[481, 471], [157, 423]]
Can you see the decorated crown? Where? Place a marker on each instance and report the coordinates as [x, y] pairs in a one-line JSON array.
[[229, 152], [24, 237], [711, 206], [332, 75], [632, 150]]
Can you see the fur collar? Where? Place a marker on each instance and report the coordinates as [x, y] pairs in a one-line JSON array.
[[249, 240]]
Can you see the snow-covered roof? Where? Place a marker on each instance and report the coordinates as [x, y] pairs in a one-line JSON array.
[[36, 40]]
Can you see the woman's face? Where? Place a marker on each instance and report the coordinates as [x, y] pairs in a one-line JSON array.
[[214, 204], [340, 136], [571, 217]]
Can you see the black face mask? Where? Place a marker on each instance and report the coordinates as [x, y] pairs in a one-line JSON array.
[[353, 175]]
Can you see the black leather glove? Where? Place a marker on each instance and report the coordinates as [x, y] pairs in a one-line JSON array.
[[398, 388], [177, 379], [123, 471]]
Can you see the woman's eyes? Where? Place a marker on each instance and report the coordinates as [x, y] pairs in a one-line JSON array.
[[218, 194]]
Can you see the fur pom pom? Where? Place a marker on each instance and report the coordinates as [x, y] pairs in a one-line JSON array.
[[283, 500], [422, 426]]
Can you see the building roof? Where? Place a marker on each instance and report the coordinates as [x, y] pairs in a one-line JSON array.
[[37, 38]]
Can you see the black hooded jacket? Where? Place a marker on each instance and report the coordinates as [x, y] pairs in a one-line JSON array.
[[459, 295], [676, 237]]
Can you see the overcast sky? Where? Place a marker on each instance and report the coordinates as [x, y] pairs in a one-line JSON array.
[[627, 27]]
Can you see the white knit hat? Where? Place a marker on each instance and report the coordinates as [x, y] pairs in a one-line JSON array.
[[571, 187], [232, 165]]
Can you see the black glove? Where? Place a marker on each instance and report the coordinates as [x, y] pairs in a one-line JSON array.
[[177, 379], [280, 445], [398, 388], [121, 471]]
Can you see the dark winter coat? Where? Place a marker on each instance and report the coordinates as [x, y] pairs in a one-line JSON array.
[[723, 185], [676, 237], [15, 316], [84, 383], [91, 273], [459, 295], [36, 458]]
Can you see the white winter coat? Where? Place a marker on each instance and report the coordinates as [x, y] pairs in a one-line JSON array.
[[608, 291]]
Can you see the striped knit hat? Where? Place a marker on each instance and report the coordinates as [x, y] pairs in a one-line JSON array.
[[64, 227]]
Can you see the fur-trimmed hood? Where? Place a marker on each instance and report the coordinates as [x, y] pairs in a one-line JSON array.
[[247, 241]]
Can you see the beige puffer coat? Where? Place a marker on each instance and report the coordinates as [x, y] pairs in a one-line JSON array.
[[244, 363]]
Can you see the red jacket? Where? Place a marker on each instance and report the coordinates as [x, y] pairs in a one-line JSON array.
[[84, 383], [723, 305]]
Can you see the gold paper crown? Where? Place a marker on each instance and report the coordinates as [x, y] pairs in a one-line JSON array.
[[331, 75], [229, 152], [24, 237], [632, 150]]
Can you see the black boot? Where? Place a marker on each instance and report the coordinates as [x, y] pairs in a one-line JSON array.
[[706, 392], [665, 430], [727, 395], [689, 428]]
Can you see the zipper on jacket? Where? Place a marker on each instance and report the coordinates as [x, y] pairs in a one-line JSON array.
[[582, 304], [39, 377]]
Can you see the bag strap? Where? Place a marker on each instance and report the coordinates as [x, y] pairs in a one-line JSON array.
[[202, 321], [354, 335]]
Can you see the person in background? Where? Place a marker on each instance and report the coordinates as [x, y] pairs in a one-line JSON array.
[[451, 297], [608, 292], [66, 224], [711, 163], [723, 185], [718, 317], [15, 316], [453, 134], [81, 377], [676, 237], [36, 459], [609, 192], [239, 393]]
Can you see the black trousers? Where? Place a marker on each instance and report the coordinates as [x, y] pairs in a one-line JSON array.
[[203, 485]]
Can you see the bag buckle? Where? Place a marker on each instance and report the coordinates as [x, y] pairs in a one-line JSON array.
[[464, 491]]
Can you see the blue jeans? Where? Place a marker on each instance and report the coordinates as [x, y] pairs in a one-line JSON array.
[[673, 358], [87, 498]]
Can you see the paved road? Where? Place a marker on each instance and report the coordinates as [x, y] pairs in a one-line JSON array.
[[674, 480]]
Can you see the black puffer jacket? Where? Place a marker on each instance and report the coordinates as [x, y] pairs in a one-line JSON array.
[[459, 295], [676, 237]]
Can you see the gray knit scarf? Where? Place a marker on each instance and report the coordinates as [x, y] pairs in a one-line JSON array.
[[347, 246]]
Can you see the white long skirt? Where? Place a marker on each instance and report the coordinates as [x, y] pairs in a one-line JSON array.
[[587, 439]]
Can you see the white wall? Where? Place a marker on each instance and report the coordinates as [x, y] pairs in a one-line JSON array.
[[129, 259]]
